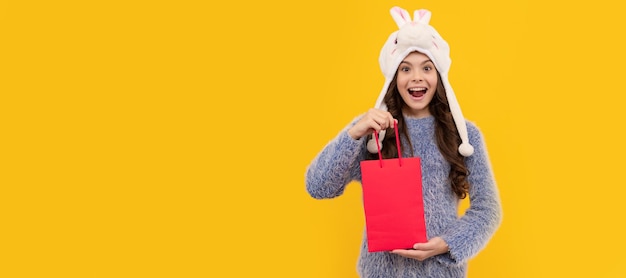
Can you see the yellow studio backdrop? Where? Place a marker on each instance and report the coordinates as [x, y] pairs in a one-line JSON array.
[[170, 138]]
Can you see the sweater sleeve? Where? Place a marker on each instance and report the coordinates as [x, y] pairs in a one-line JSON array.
[[335, 166], [469, 234]]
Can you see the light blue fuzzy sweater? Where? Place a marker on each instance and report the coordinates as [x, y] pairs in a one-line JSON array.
[[338, 164]]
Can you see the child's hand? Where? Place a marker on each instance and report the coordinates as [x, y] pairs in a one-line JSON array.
[[374, 119], [422, 251]]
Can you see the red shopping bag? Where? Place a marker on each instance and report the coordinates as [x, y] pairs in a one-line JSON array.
[[392, 201]]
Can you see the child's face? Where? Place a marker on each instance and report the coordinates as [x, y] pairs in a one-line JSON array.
[[417, 83]]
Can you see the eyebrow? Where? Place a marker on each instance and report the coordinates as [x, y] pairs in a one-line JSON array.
[[426, 61]]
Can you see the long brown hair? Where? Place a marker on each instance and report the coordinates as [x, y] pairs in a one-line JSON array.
[[446, 134]]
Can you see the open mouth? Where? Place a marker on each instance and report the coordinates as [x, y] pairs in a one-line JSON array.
[[417, 92]]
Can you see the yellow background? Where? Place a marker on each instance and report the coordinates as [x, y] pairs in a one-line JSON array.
[[170, 138]]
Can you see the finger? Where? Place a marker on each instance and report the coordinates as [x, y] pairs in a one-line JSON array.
[[363, 127], [403, 252], [376, 121], [379, 115], [390, 120], [384, 119], [387, 121], [375, 125], [387, 118], [423, 246], [412, 254]]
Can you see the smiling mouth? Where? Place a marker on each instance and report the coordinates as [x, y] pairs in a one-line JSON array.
[[417, 92]]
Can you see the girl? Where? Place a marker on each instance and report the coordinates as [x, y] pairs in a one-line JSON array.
[[417, 95]]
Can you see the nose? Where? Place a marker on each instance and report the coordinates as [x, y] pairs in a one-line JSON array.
[[417, 77]]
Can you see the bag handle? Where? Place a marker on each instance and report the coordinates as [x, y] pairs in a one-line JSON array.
[[380, 155]]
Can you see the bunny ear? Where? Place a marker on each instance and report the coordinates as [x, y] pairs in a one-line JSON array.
[[400, 15], [422, 16]]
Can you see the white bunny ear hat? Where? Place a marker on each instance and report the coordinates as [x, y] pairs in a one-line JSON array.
[[418, 35]]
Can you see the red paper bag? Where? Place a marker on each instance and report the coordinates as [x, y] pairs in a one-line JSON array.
[[392, 201]]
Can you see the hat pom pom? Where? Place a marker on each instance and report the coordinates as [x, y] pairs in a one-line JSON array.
[[371, 146], [465, 149]]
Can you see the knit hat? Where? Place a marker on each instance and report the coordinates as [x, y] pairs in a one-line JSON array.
[[418, 35]]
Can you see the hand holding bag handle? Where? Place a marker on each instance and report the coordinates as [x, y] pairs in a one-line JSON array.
[[380, 155]]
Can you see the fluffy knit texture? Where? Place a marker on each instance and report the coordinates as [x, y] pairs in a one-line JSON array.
[[338, 164]]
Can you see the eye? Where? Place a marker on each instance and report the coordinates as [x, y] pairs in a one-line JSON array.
[[428, 68], [405, 69]]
